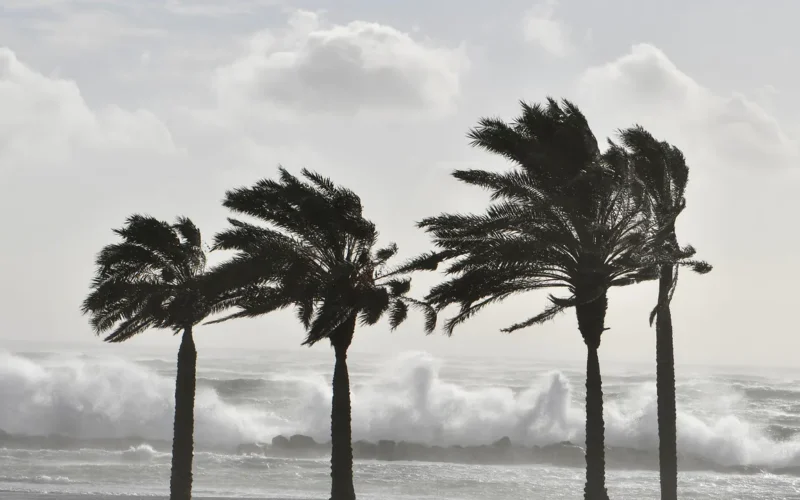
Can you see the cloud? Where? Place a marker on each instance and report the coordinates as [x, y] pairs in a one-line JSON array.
[[646, 87], [316, 67], [541, 28], [45, 121]]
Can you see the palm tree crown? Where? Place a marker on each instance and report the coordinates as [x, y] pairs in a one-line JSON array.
[[316, 252], [566, 216], [663, 174], [151, 279]]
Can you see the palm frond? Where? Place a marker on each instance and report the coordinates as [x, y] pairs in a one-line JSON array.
[[384, 254], [189, 232], [549, 313], [426, 262], [399, 286], [374, 303], [431, 316], [564, 216], [397, 313], [312, 243], [153, 278]]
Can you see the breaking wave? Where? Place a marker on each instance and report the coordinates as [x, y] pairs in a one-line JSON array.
[[408, 400]]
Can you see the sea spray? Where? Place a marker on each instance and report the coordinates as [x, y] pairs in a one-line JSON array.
[[140, 453], [410, 401], [114, 398], [406, 400]]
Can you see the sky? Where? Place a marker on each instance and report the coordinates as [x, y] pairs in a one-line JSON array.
[[113, 107]]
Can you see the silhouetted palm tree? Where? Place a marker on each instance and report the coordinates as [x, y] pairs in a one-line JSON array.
[[318, 253], [153, 279], [663, 171], [566, 217]]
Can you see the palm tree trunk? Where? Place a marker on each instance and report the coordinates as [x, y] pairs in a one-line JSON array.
[[341, 431], [665, 390], [180, 485], [591, 322]]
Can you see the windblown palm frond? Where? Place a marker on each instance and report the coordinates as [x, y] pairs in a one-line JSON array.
[[566, 216], [153, 278], [664, 174], [314, 250]]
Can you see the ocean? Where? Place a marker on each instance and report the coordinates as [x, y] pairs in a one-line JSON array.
[[80, 426]]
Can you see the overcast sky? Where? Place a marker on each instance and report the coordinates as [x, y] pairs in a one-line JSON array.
[[159, 106]]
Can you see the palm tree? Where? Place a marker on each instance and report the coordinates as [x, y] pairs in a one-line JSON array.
[[316, 251], [153, 279], [566, 216], [663, 171]]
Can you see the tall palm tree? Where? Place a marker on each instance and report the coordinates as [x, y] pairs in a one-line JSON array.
[[153, 279], [316, 251], [664, 174], [565, 216]]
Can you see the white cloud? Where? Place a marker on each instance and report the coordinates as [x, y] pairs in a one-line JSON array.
[[644, 86], [316, 67], [541, 27], [46, 120]]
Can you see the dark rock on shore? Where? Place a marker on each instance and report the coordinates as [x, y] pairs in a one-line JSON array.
[[385, 450], [365, 450], [300, 442], [502, 451], [297, 445], [503, 443], [280, 442]]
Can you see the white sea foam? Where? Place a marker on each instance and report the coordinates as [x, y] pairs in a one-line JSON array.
[[410, 401], [141, 453], [87, 398], [40, 479], [407, 400]]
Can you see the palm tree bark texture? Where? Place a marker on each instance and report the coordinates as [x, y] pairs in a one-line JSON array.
[[665, 386], [182, 441], [591, 321], [341, 433]]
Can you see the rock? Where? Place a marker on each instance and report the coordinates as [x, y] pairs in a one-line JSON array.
[[365, 450], [476, 454], [385, 450], [301, 442], [503, 443], [411, 451], [280, 442]]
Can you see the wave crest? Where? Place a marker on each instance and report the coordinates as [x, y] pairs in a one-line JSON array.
[[407, 400], [410, 401], [91, 399]]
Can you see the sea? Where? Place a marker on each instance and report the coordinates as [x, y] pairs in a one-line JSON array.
[[93, 426]]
